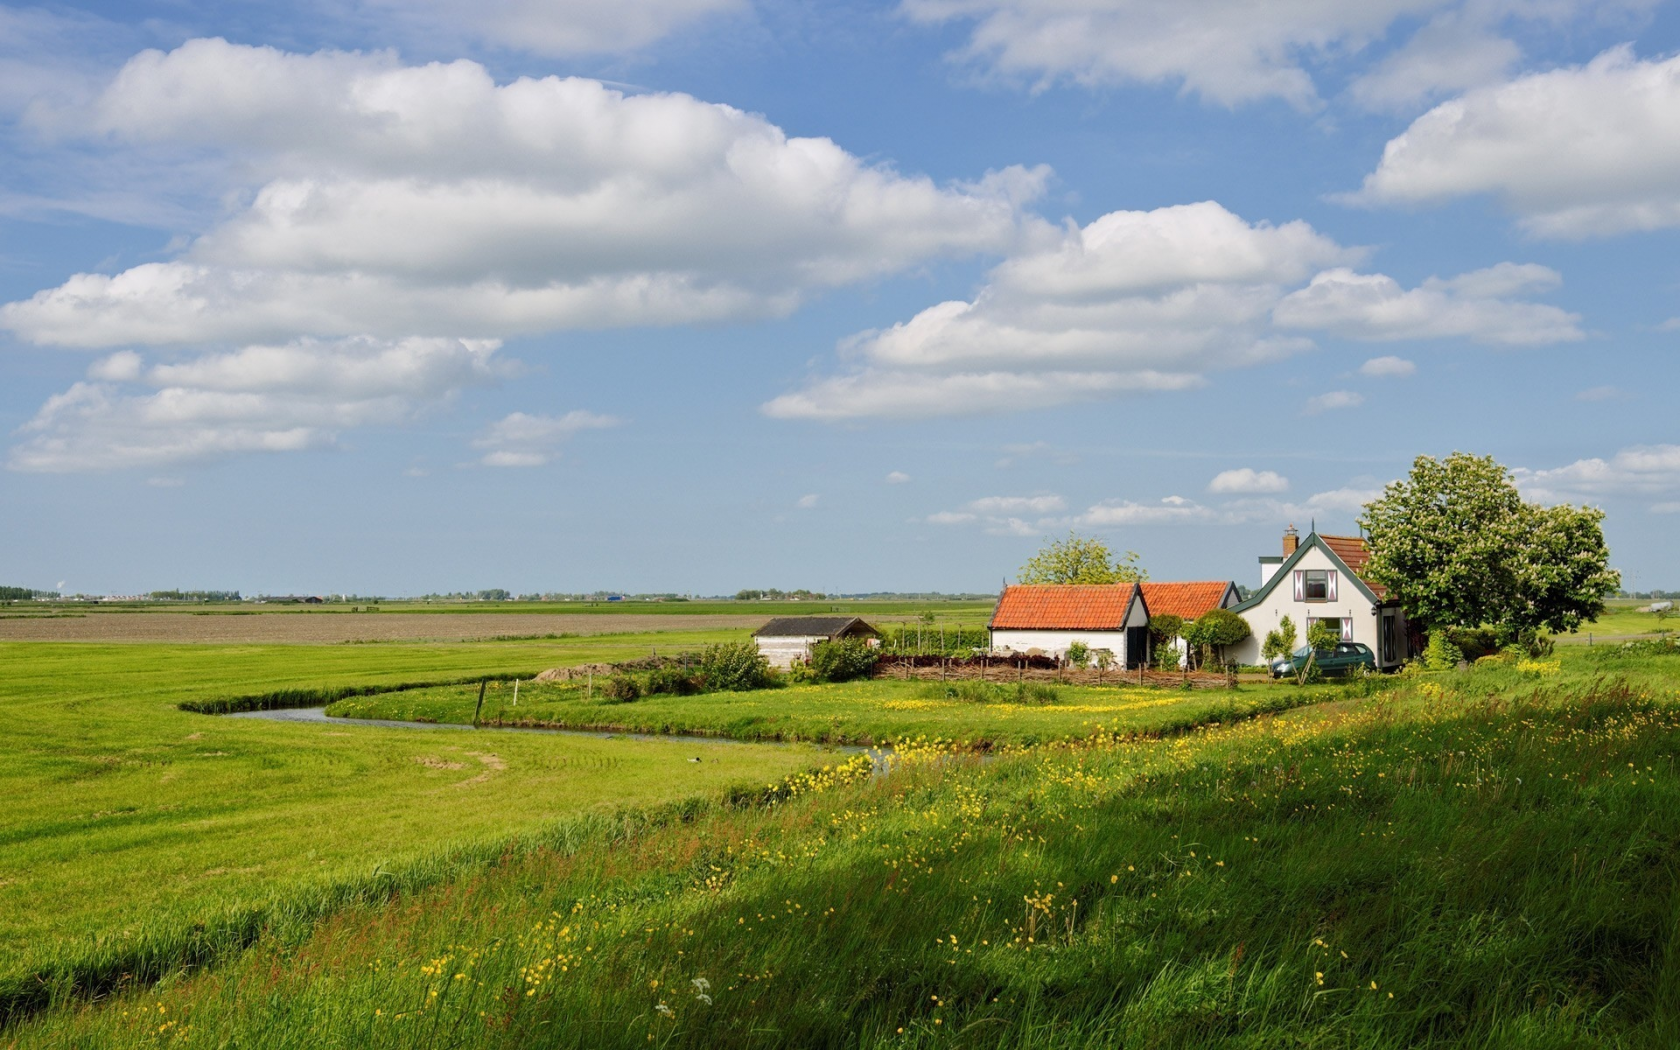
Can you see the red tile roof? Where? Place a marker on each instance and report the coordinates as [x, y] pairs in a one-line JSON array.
[[1063, 606], [1184, 600], [1355, 552]]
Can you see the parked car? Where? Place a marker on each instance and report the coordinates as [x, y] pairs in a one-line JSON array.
[[1344, 659]]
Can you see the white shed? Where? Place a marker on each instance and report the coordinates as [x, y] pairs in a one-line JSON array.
[[788, 639], [1051, 617]]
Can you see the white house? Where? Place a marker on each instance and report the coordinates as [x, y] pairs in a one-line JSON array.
[[1051, 617], [1315, 579], [787, 639]]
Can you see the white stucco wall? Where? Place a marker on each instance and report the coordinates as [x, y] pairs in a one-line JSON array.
[[784, 650], [1056, 643], [1350, 604]]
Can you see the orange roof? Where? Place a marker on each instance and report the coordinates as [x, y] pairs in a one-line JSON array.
[[1184, 600], [1355, 552], [1064, 606]]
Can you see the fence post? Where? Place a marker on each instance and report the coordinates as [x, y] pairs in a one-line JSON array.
[[482, 682]]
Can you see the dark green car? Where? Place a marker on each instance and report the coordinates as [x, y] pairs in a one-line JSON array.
[[1345, 658]]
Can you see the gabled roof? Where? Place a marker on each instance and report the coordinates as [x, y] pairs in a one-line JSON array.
[[1186, 601], [812, 627], [1311, 540], [1065, 606], [1355, 552]]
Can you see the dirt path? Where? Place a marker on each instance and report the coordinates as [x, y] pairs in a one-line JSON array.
[[318, 628]]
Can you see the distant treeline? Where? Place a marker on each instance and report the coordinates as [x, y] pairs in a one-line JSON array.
[[775, 595], [23, 594], [1648, 594], [194, 596]]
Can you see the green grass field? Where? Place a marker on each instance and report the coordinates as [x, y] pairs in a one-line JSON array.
[[1497, 849], [131, 822], [879, 711], [1486, 858]]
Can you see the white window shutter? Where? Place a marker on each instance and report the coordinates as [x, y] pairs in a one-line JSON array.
[[1300, 586], [1330, 585], [1347, 628]]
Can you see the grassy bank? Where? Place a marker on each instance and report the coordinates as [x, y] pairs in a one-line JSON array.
[[1485, 858]]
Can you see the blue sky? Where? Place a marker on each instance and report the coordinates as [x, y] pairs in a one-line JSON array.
[[695, 295]]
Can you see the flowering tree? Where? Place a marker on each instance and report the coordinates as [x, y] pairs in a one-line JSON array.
[[1081, 559], [1457, 545]]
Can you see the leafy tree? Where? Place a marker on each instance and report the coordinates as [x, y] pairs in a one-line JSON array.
[[1081, 559], [1280, 641], [734, 666], [1456, 544], [1323, 638], [1164, 628], [842, 659], [1214, 630]]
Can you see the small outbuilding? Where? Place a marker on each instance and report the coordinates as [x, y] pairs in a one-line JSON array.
[[1050, 618], [788, 639]]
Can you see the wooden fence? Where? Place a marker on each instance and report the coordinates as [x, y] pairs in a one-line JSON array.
[[1005, 669]]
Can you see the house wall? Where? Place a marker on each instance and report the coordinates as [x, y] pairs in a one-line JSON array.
[[1349, 604], [785, 650], [1056, 643]]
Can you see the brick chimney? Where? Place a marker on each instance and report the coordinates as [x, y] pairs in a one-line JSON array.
[[1291, 540]]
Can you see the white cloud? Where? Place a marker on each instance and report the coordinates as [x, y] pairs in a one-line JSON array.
[[897, 477], [1474, 305], [1334, 399], [1344, 504], [1247, 479], [1114, 513], [1600, 393], [998, 506], [1576, 152], [1235, 51], [951, 517], [394, 200], [1640, 470], [522, 440], [1665, 508], [166, 483], [1227, 51], [544, 27], [1388, 367], [1447, 55], [807, 501], [1134, 302], [1143, 302], [281, 398]]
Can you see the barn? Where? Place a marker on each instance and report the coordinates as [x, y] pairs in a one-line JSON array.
[[1051, 617], [788, 639]]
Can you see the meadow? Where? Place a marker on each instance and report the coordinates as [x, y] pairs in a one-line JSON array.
[[1485, 858], [136, 834], [876, 711]]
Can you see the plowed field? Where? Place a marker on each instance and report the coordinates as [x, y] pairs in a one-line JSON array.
[[317, 628]]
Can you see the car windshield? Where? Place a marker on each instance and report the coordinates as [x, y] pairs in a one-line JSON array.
[[1304, 650]]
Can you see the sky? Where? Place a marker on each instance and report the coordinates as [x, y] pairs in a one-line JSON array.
[[406, 296]]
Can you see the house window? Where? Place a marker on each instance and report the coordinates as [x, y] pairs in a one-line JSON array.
[[1315, 585]]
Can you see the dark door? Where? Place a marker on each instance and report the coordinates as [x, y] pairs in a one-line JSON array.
[[1137, 647]]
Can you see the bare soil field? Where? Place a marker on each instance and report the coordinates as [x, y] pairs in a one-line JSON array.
[[319, 628]]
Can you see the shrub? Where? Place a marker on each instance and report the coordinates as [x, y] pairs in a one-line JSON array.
[[1079, 655], [1473, 643], [802, 674], [842, 660], [1165, 627], [993, 692], [621, 689], [734, 666], [672, 680], [1441, 654]]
